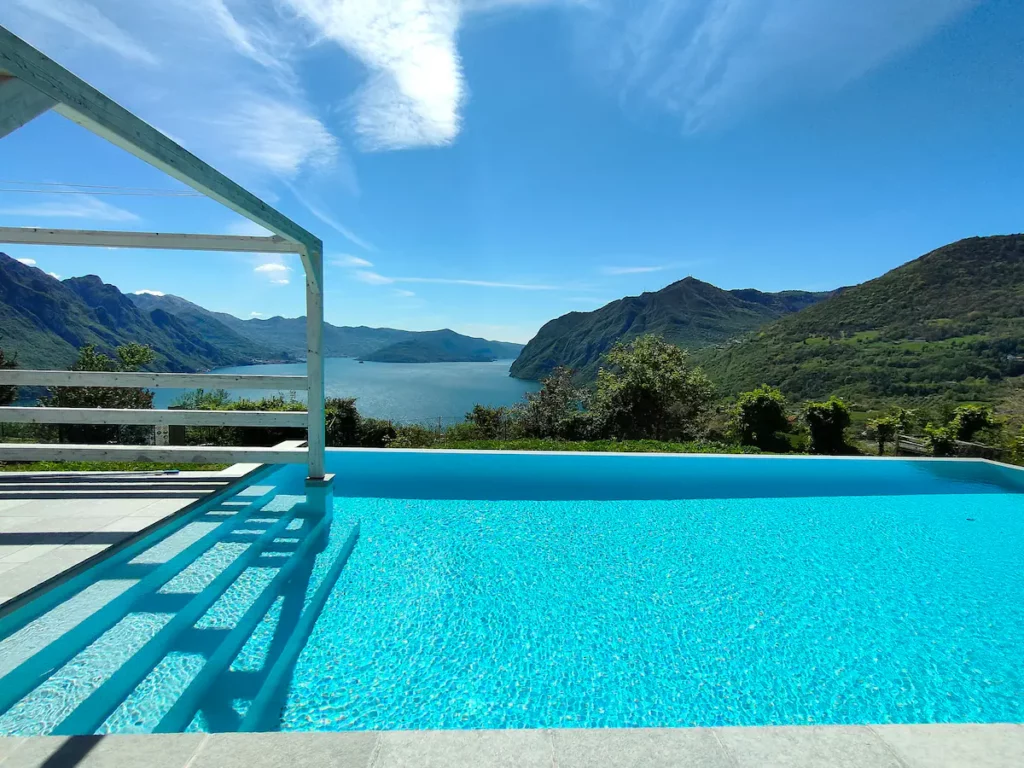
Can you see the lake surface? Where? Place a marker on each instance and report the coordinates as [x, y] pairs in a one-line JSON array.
[[406, 392]]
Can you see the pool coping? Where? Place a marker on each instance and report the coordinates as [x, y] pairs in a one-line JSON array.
[[967, 745]]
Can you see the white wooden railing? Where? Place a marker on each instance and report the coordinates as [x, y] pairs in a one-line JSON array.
[[188, 418]]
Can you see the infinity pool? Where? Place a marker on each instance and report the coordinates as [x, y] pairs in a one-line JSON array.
[[476, 590]]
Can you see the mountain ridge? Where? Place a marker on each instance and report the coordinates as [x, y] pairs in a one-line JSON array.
[[687, 312]]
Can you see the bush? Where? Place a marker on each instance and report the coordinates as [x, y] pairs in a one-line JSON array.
[[827, 423], [556, 411], [414, 436], [489, 423], [649, 391], [8, 394], [130, 357], [968, 420], [759, 416], [883, 430], [941, 440], [342, 422], [376, 433]]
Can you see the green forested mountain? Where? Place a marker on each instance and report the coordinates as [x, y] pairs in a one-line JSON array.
[[690, 313], [444, 346], [44, 321], [948, 323]]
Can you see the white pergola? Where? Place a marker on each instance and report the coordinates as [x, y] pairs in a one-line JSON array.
[[31, 84]]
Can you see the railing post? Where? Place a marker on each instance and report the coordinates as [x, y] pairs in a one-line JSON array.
[[315, 360]]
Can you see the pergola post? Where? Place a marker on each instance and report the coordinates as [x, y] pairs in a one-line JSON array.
[[314, 264]]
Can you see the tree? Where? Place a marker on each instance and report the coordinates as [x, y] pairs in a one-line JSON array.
[[759, 416], [130, 357], [968, 420], [884, 430], [649, 391], [488, 423], [342, 422], [8, 394], [941, 440], [827, 423], [557, 411]]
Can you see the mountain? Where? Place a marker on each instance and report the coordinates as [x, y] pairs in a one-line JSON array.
[[948, 323], [45, 321], [690, 313], [442, 347]]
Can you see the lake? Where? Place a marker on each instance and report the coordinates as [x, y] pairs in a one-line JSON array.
[[405, 392]]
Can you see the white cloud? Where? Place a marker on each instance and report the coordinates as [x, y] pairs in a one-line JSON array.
[[54, 275], [329, 220], [415, 87], [348, 260], [149, 292], [630, 270], [272, 268], [256, 314], [280, 281], [73, 208], [710, 61], [278, 136], [29, 262], [86, 21], [366, 276], [404, 293]]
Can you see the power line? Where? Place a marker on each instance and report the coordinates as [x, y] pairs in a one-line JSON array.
[[68, 188], [166, 193]]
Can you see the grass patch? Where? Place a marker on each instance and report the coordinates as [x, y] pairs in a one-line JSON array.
[[105, 466], [612, 446]]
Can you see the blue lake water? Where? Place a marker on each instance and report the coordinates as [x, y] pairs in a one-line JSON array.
[[485, 590], [406, 392]]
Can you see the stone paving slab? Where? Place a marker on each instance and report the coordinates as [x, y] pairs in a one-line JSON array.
[[903, 746]]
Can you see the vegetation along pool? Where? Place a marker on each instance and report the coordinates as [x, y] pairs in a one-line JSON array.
[[478, 590]]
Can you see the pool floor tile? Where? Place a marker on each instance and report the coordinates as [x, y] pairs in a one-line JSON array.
[[163, 751], [802, 746], [448, 749], [639, 748], [993, 745], [290, 750]]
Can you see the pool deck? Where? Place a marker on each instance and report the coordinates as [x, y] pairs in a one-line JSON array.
[[885, 746], [51, 523]]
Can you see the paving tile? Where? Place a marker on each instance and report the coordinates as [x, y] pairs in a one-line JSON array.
[[458, 749], [30, 552], [62, 523], [994, 745], [132, 523], [161, 507], [801, 745], [9, 744], [293, 750], [6, 504], [639, 748], [163, 751]]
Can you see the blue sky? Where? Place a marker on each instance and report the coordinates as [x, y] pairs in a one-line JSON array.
[[487, 165]]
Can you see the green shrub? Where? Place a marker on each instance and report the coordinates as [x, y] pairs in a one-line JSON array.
[[827, 423], [883, 430], [342, 422], [415, 436], [941, 440], [759, 416], [968, 420], [8, 394], [376, 433]]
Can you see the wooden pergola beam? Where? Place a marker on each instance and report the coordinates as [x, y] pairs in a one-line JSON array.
[[20, 103], [159, 240]]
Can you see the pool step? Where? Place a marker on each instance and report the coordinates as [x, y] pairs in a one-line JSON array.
[[30, 673], [91, 713], [186, 706]]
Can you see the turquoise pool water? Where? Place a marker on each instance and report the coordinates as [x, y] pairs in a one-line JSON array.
[[527, 591]]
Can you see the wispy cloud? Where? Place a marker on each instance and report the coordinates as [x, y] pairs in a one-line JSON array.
[[87, 21], [374, 278], [327, 218], [29, 262], [256, 314], [272, 268], [280, 281], [246, 228], [630, 270], [404, 293], [149, 292], [54, 275], [711, 61], [72, 208], [348, 260]]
